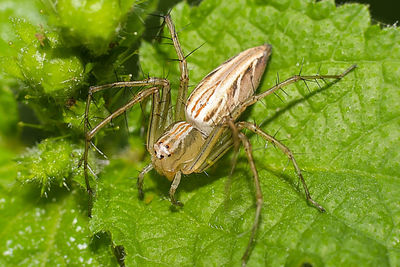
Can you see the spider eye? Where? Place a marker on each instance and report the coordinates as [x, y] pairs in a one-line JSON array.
[[162, 156], [169, 155], [155, 152], [167, 146]]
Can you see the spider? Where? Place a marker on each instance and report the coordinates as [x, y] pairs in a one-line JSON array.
[[203, 127]]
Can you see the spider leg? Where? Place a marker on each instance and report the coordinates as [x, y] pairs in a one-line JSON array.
[[184, 79], [174, 186], [216, 144], [141, 177], [89, 134], [259, 197], [253, 99], [257, 130]]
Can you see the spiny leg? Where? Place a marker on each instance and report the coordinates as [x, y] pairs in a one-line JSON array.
[[157, 117], [155, 82], [184, 79], [253, 99], [141, 177], [219, 145], [257, 130], [90, 134], [212, 143], [174, 186], [259, 197]]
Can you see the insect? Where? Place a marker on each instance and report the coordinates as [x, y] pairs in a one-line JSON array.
[[203, 127]]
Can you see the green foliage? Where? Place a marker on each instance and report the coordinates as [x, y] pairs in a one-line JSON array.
[[51, 162], [39, 62], [345, 135], [8, 106], [102, 19]]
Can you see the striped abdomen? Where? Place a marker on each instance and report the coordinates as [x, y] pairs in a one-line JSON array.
[[226, 87]]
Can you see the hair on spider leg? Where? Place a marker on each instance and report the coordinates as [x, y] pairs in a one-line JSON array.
[[94, 101], [276, 132], [318, 73], [91, 171], [84, 118], [135, 10], [166, 76], [301, 67], [161, 37], [158, 15], [308, 88], [98, 150], [284, 91], [171, 44], [277, 81], [318, 84], [326, 83], [194, 50], [286, 165], [263, 103], [130, 91], [160, 28], [279, 97], [183, 28]]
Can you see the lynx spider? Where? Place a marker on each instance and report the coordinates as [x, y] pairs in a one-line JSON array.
[[204, 126]]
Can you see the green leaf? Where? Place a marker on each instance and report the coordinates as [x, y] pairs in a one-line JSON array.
[[45, 231], [51, 162], [26, 9], [102, 20], [8, 106], [345, 135], [41, 62]]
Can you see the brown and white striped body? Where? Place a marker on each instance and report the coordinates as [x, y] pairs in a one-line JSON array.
[[226, 87], [214, 98]]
